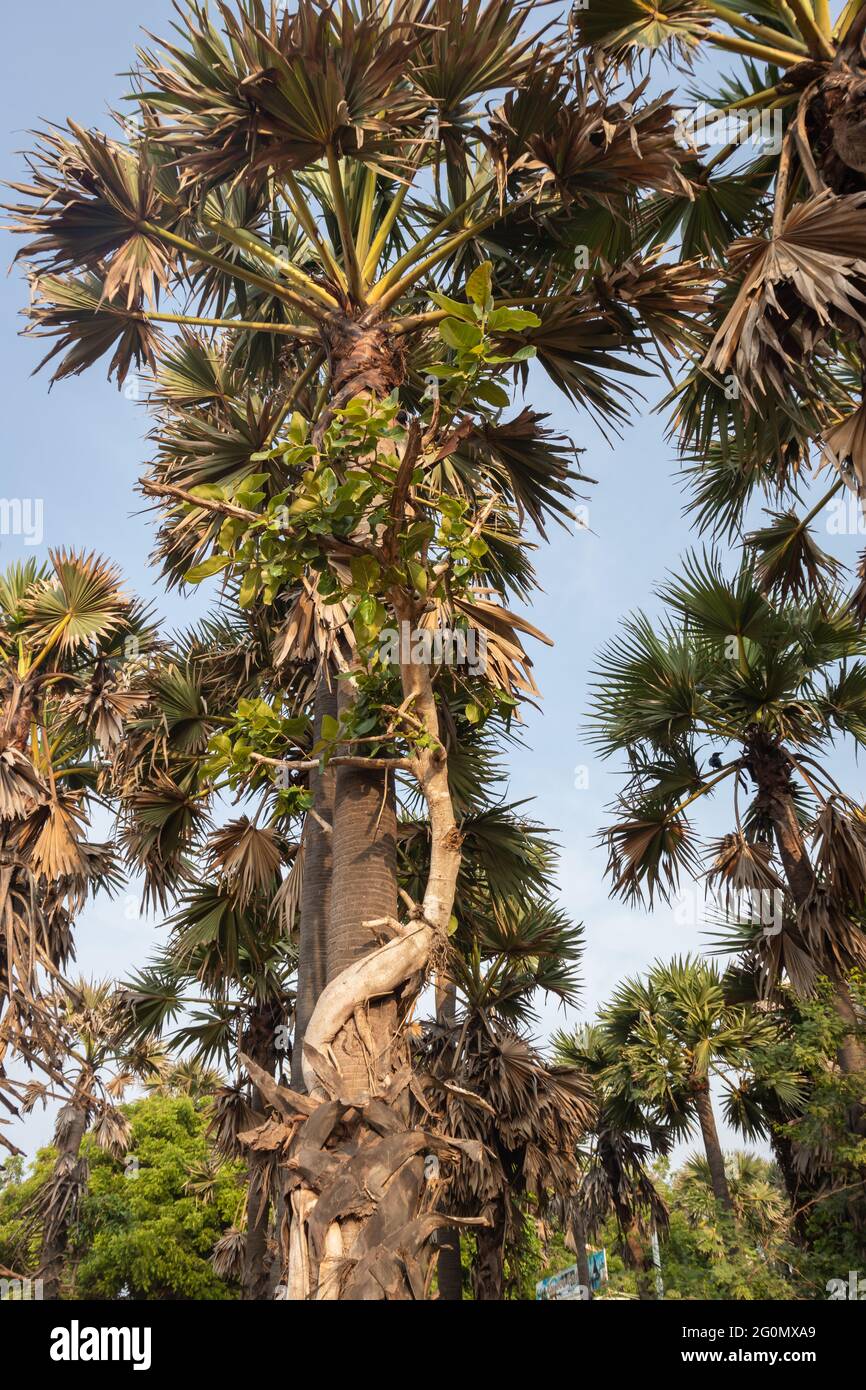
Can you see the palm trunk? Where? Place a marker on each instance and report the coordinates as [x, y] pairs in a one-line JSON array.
[[363, 890], [712, 1147], [488, 1269], [260, 1042], [316, 889], [449, 1267], [65, 1187], [639, 1259], [256, 1278], [355, 1177], [578, 1236]]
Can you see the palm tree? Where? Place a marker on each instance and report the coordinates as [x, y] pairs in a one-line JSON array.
[[234, 883], [488, 1084], [669, 1036], [369, 261], [776, 384], [70, 642], [90, 1064], [735, 684], [615, 1175], [757, 1196]]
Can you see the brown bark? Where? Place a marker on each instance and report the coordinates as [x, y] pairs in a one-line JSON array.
[[363, 889], [637, 1256], [449, 1268], [578, 1236], [488, 1269], [712, 1146], [259, 1042], [316, 890]]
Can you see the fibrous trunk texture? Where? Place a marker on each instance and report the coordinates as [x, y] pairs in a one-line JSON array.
[[488, 1270], [363, 890], [316, 888], [63, 1193], [578, 1236]]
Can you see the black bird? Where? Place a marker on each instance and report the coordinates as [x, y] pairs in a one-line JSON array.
[[716, 762]]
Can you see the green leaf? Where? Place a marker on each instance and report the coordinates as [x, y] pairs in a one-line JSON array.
[[480, 284], [491, 393], [512, 320], [454, 307], [198, 573], [330, 728], [459, 335], [418, 575]]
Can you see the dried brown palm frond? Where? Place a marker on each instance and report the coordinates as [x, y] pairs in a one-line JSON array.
[[844, 447], [794, 288], [835, 942], [508, 666], [232, 1113], [103, 706], [22, 791], [90, 198], [741, 865], [248, 857], [228, 1254], [581, 144], [315, 632], [51, 840], [667, 297], [528, 1117], [840, 850], [112, 1132], [86, 325], [287, 899], [56, 1204]]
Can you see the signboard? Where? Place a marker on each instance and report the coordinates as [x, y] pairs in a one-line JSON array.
[[567, 1286]]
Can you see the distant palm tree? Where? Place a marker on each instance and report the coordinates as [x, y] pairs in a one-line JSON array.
[[90, 1063], [671, 1034], [70, 642], [757, 1197], [489, 1085], [737, 685], [614, 1160]]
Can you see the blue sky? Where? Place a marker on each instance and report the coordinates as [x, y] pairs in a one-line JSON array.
[[81, 447]]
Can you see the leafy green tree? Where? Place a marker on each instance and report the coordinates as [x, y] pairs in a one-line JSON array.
[[142, 1230]]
